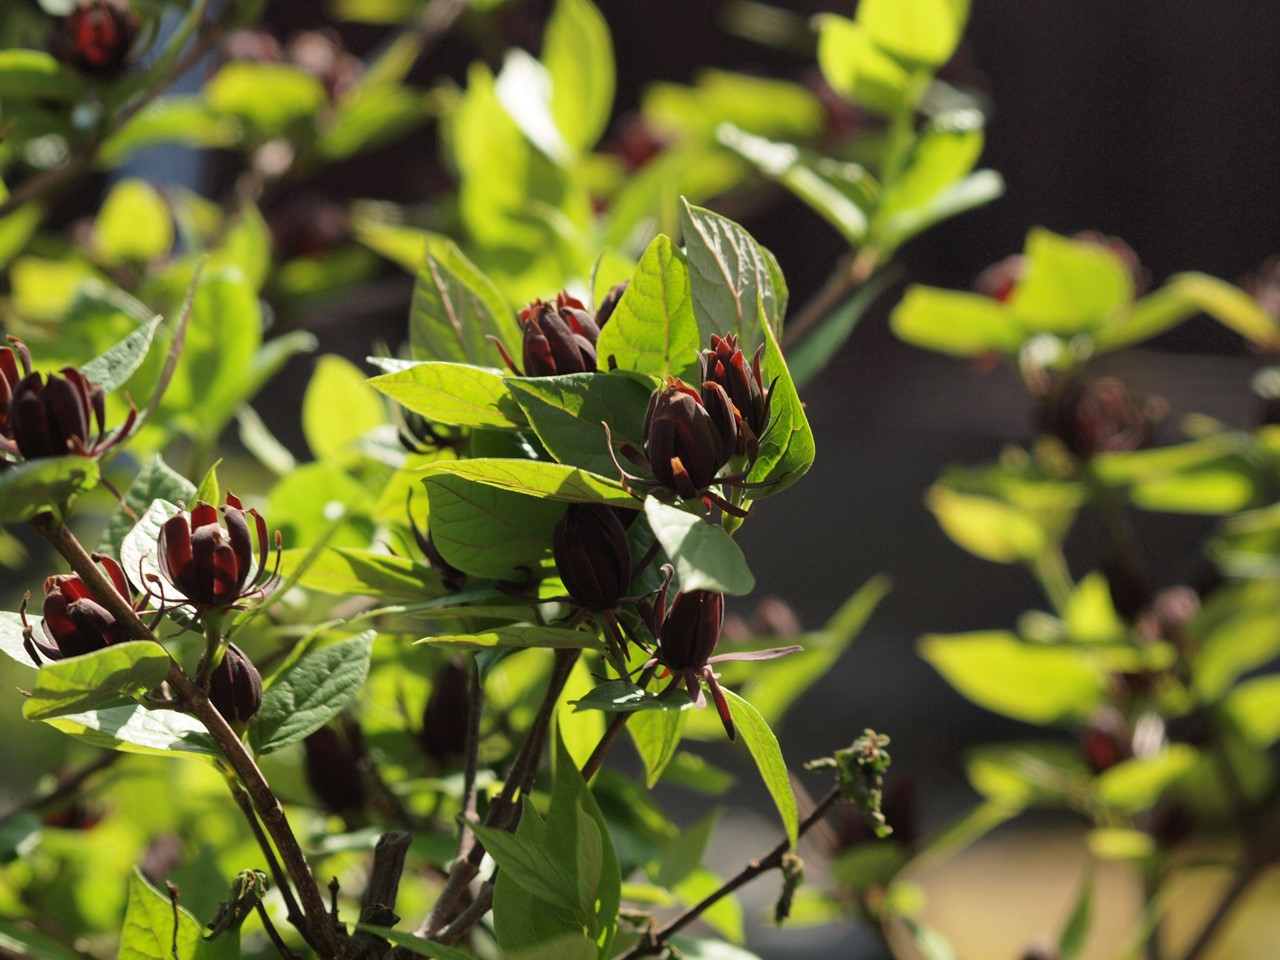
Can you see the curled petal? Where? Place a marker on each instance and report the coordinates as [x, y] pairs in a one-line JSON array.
[[241, 541], [722, 704]]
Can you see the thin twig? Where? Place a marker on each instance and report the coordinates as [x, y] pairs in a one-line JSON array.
[[64, 788], [273, 863], [848, 276], [273, 934], [469, 917], [475, 707], [319, 930], [654, 943]]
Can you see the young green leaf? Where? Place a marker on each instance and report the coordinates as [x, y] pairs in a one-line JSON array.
[[623, 696], [955, 322], [705, 557], [532, 478], [859, 70], [653, 329], [105, 676], [787, 447], [923, 32], [456, 308], [155, 927], [339, 409], [768, 757], [270, 96], [487, 531], [1069, 286], [134, 225], [534, 866], [578, 54], [986, 527], [1134, 785], [111, 370], [657, 735], [309, 692], [518, 636], [346, 571], [454, 394]]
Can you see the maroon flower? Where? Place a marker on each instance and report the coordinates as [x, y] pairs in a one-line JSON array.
[[726, 366], [235, 686], [592, 555], [1097, 416], [97, 37], [74, 622], [687, 635], [558, 338], [443, 736], [610, 303], [687, 437], [333, 766], [210, 566], [10, 377]]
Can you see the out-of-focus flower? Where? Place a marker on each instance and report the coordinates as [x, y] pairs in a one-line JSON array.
[[333, 771], [1097, 416], [443, 735], [97, 37]]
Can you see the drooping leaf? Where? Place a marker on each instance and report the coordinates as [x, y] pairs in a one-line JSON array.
[[533, 866], [132, 728], [309, 692], [705, 557], [45, 485], [105, 676], [567, 412], [518, 636], [768, 757], [453, 394], [112, 369], [653, 329], [656, 736], [986, 527]]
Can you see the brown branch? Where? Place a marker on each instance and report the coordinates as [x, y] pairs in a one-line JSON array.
[[653, 943], [319, 930], [273, 863], [848, 276], [62, 789], [596, 760]]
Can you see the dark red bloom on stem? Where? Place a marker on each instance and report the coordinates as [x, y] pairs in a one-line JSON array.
[[210, 566], [55, 416], [97, 37], [687, 635], [443, 736], [687, 437], [74, 622], [1097, 416], [610, 303], [592, 555], [333, 768], [559, 338], [726, 366], [235, 686]]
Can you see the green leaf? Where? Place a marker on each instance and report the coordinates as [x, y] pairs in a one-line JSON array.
[[859, 70], [567, 947], [270, 96], [1230, 306], [155, 928], [986, 527], [567, 413], [347, 571], [1024, 774], [698, 948], [944, 153], [533, 478], [768, 757], [783, 162], [111, 370], [657, 735], [487, 531], [1120, 843], [39, 485], [11, 640], [787, 447], [623, 696], [533, 866], [1253, 706], [954, 322], [456, 308], [1134, 785], [134, 729], [103, 677], [309, 692], [705, 557], [729, 276], [518, 636], [155, 481], [653, 329], [36, 75], [185, 120], [1037, 684], [210, 491], [925, 32], [1068, 286], [134, 225], [415, 945], [1237, 632], [339, 409], [453, 394], [1090, 616], [977, 189], [578, 54]]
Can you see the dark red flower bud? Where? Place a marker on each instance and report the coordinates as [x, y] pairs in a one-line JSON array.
[[691, 629], [210, 566], [592, 555], [558, 338], [1097, 417], [53, 417], [688, 438], [74, 622], [1106, 740], [15, 365], [725, 365], [333, 771], [235, 686], [97, 37], [610, 302], [443, 736]]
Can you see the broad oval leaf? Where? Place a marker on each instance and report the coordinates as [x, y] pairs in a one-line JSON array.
[[577, 52], [456, 308], [78, 684], [1134, 785], [339, 409], [112, 369], [656, 736], [705, 557], [487, 531], [155, 481], [534, 478], [304, 696], [1068, 286], [768, 757], [454, 394], [920, 31], [986, 527], [155, 928], [955, 322], [787, 447], [132, 728]]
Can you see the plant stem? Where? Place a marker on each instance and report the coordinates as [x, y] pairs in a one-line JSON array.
[[64, 788], [653, 943], [596, 760], [273, 863], [319, 930]]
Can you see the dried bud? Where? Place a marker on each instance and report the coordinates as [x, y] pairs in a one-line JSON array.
[[443, 736], [691, 629], [97, 36], [610, 302], [74, 622], [592, 555], [1097, 417], [688, 438], [1106, 740], [333, 771], [210, 566], [235, 686], [53, 417], [558, 338], [726, 366]]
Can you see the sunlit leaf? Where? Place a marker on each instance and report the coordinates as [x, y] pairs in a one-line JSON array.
[[105, 676], [768, 757], [705, 557]]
